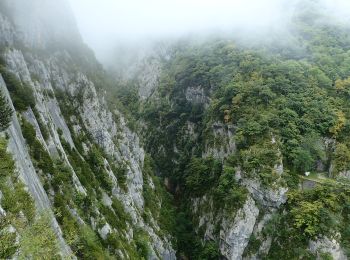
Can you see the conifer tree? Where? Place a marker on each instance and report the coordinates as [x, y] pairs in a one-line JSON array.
[[5, 113]]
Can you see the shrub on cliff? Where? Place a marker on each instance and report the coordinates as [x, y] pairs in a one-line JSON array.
[[5, 113]]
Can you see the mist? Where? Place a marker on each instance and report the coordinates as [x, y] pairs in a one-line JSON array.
[[105, 24]]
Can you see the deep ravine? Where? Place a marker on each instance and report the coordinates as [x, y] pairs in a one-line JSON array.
[[215, 149]]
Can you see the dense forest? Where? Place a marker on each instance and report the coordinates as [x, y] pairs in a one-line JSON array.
[[286, 102], [239, 151]]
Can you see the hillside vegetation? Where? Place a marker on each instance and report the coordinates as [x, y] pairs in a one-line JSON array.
[[283, 104], [237, 149]]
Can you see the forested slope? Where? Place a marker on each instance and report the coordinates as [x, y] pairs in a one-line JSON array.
[[248, 135], [234, 125]]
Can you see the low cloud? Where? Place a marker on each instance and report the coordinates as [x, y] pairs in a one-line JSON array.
[[105, 24]]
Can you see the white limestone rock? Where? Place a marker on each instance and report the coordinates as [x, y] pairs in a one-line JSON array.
[[223, 144], [197, 95], [327, 245], [235, 233], [17, 147], [272, 197]]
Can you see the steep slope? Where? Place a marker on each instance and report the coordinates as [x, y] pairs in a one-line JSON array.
[[251, 139], [235, 130], [80, 162]]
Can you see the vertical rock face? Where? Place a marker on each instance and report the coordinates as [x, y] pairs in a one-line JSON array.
[[236, 227], [149, 78], [144, 67], [42, 22], [268, 197], [59, 72], [328, 246], [196, 95], [222, 144], [235, 233], [17, 146]]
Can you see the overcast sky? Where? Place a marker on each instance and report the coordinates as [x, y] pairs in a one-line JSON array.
[[104, 23]]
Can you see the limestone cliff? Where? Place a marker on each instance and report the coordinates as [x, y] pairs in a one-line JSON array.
[[73, 125]]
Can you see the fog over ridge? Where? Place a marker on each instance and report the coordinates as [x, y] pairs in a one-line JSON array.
[[105, 24]]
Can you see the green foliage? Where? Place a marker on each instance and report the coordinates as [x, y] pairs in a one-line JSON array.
[[315, 212], [8, 244], [202, 175], [62, 176], [121, 172], [89, 246], [282, 102], [91, 168], [5, 113], [122, 216], [37, 151], [308, 215], [311, 149], [96, 161], [259, 160], [296, 97], [253, 245], [152, 201], [142, 244], [326, 256], [39, 240], [118, 217], [43, 128], [210, 251], [83, 240], [157, 200], [341, 158], [16, 199], [303, 160], [7, 165], [21, 95], [188, 243], [228, 194], [129, 97], [83, 171], [167, 214], [28, 132], [345, 229]]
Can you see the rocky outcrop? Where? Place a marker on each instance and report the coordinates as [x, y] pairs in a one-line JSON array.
[[118, 141], [197, 95], [235, 233], [235, 229], [344, 174], [258, 234], [39, 23], [143, 67], [268, 197], [220, 143], [327, 246], [149, 78], [17, 147], [237, 226], [46, 74]]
